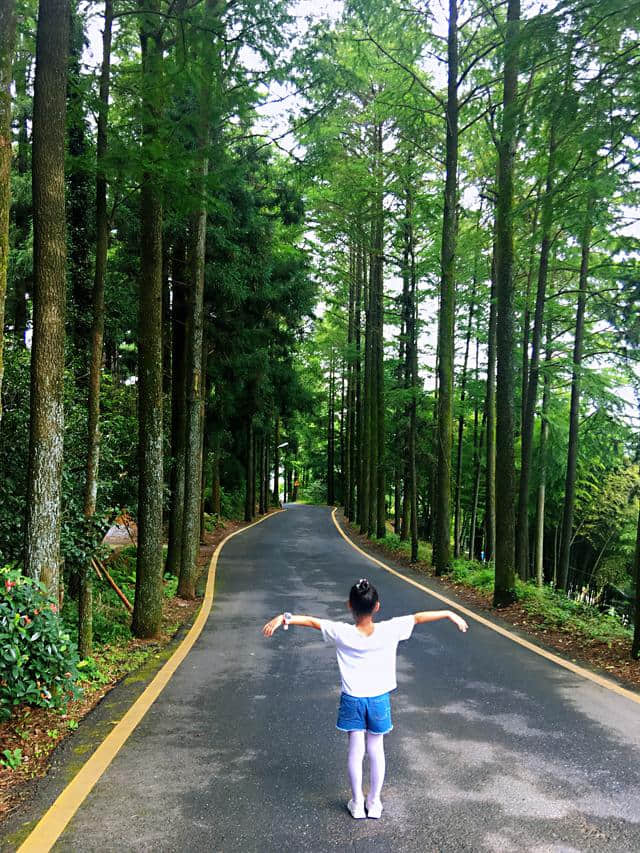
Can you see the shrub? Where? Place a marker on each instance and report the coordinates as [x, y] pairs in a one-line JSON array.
[[38, 665]]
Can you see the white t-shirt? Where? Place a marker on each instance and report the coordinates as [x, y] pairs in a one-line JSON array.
[[367, 664]]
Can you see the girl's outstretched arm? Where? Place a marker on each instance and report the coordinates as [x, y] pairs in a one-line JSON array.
[[303, 621], [434, 615]]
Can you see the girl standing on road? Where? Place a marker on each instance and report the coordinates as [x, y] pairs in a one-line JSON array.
[[366, 655]]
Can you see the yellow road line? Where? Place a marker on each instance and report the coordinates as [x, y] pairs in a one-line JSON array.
[[53, 822], [578, 670]]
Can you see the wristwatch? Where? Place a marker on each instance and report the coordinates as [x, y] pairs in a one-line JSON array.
[[287, 617]]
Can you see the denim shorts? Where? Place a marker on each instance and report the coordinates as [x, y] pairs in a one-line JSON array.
[[359, 714]]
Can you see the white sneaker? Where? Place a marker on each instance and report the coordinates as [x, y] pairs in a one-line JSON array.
[[356, 809], [374, 809]]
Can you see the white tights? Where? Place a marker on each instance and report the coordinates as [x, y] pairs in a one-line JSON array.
[[375, 751]]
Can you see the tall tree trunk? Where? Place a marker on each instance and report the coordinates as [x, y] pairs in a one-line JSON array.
[[477, 447], [381, 509], [179, 336], [526, 321], [504, 591], [21, 208], [46, 426], [442, 541], [635, 647], [215, 474], [205, 48], [574, 411], [347, 472], [85, 603], [7, 44], [522, 525], [366, 411], [413, 412], [276, 463], [543, 454], [331, 497], [167, 350], [463, 396], [341, 432], [373, 384], [490, 415], [147, 609], [262, 494], [356, 451], [78, 199], [249, 472]]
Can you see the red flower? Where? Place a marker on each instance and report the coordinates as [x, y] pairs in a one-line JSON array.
[[54, 608], [9, 584]]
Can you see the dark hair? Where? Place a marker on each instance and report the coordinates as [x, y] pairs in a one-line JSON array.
[[363, 597]]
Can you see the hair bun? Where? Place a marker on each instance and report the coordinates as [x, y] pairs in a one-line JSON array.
[[362, 585]]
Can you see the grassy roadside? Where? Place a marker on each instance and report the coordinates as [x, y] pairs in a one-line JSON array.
[[576, 630], [30, 736]]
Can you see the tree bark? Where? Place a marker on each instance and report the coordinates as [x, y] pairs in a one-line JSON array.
[[347, 473], [179, 336], [635, 647], [249, 473], [366, 412], [357, 393], [46, 427], [262, 477], [85, 604], [504, 591], [195, 352], [276, 463], [381, 510], [463, 396], [522, 525], [442, 540], [543, 454], [7, 45], [21, 209], [78, 201], [413, 412], [147, 609], [490, 415], [574, 411], [331, 436], [526, 322], [215, 477]]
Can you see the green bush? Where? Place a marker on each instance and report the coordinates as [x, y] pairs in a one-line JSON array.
[[473, 573], [38, 664]]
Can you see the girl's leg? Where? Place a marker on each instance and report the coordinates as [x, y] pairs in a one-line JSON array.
[[356, 757], [375, 751]]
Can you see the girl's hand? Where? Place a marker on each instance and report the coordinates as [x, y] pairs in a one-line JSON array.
[[271, 627], [458, 621]]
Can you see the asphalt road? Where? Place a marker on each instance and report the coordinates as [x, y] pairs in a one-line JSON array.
[[494, 748]]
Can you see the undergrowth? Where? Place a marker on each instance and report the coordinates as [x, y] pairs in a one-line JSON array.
[[550, 608]]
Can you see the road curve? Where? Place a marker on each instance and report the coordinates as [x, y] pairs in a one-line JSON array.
[[494, 747]]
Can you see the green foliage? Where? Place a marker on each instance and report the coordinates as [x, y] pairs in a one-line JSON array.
[[395, 543], [231, 502], [314, 492], [549, 608], [11, 758], [38, 663], [118, 465], [474, 574]]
